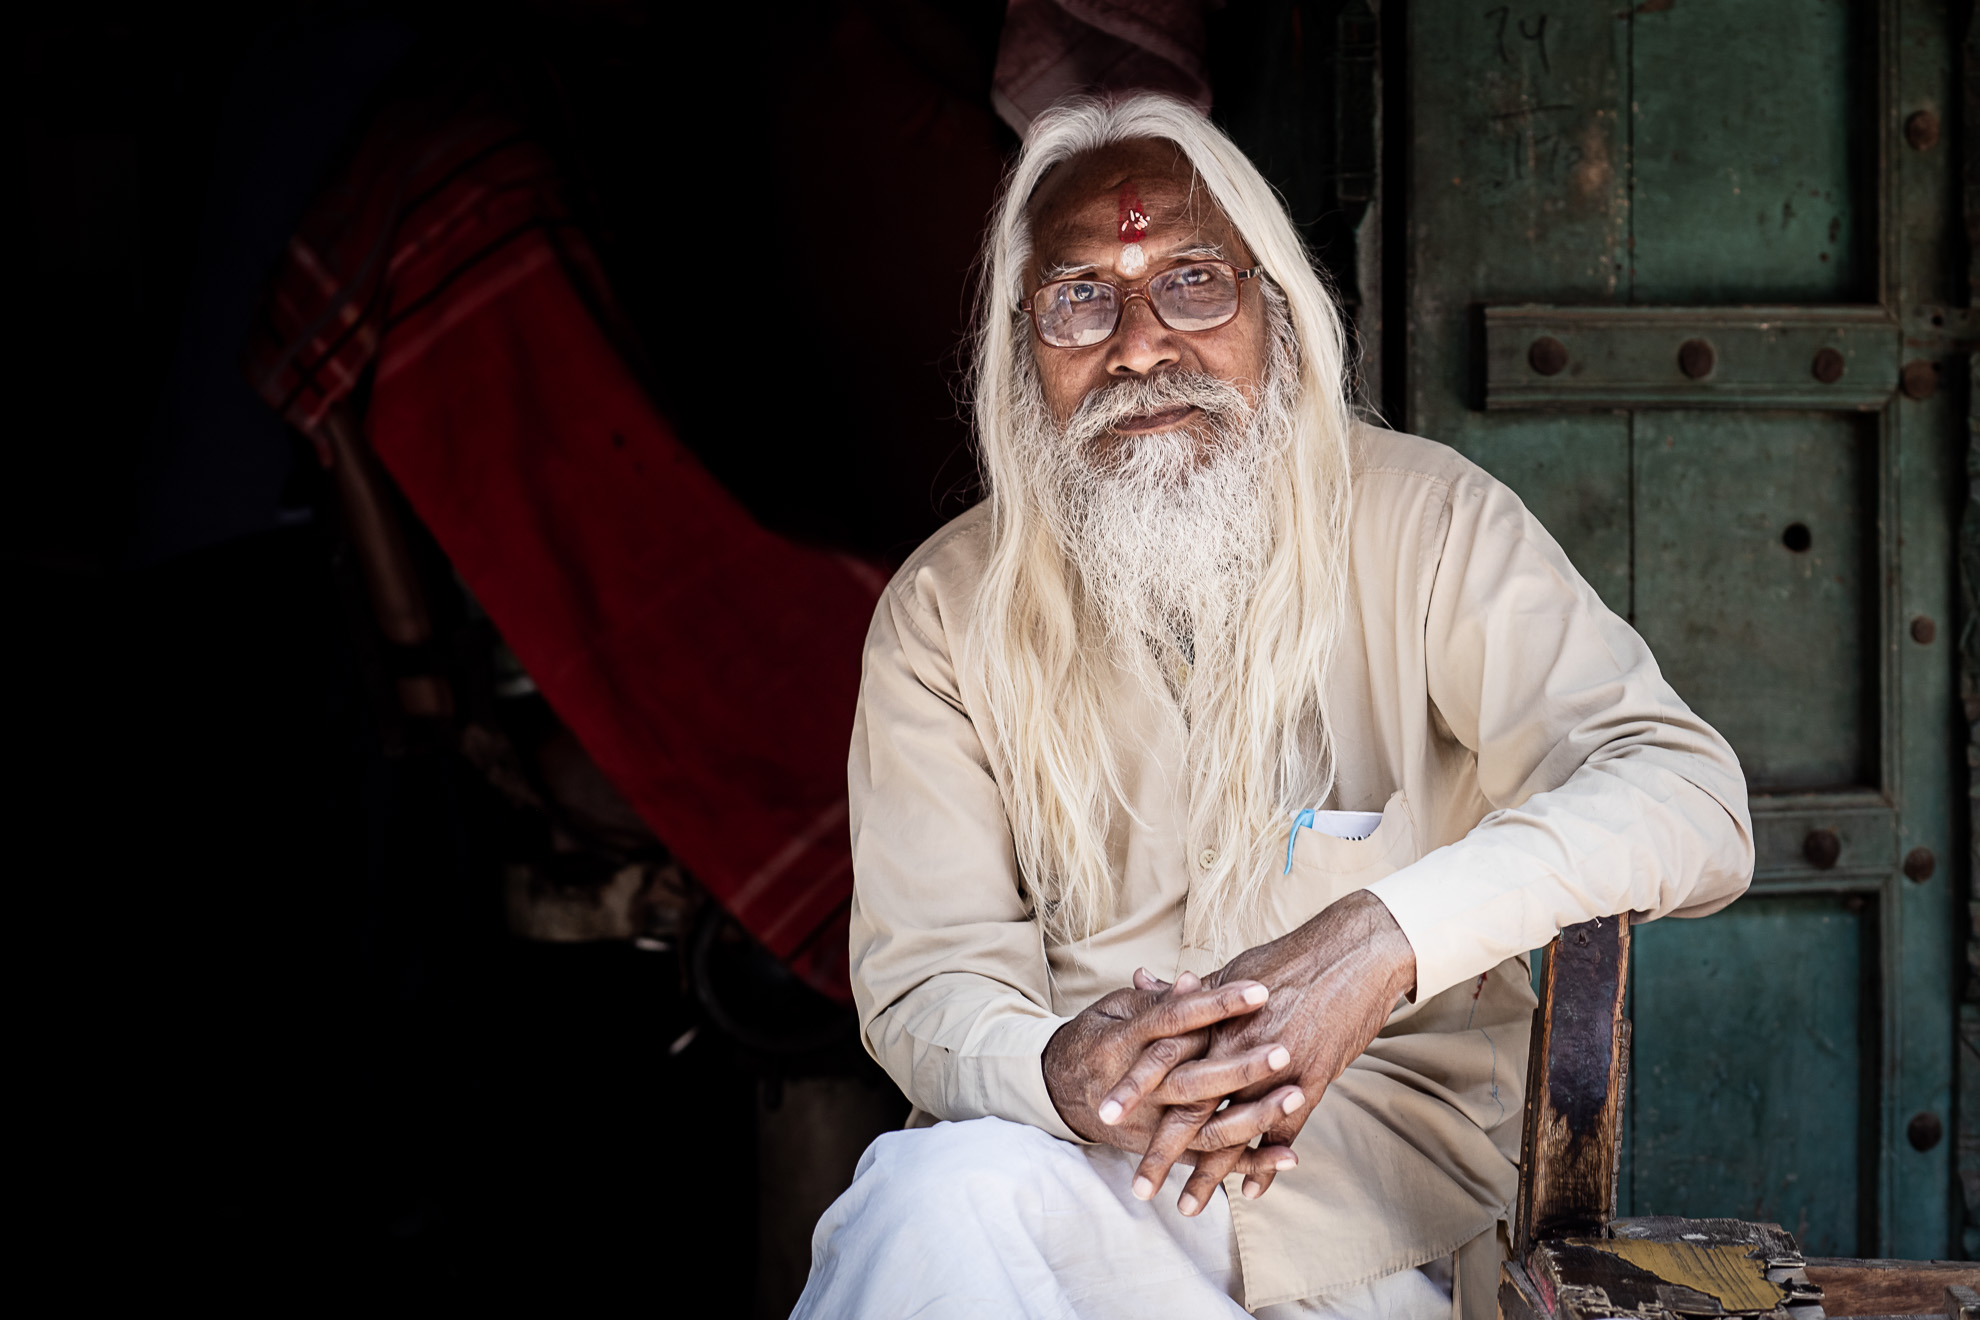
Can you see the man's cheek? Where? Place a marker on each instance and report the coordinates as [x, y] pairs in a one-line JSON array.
[[1067, 390]]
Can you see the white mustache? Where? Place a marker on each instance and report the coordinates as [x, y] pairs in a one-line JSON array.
[[1110, 405]]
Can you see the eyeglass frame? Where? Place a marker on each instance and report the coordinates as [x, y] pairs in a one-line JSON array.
[[1138, 290]]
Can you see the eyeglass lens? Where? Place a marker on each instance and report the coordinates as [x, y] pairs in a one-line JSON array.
[[1078, 313]]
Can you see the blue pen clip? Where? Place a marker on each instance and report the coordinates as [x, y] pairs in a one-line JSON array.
[[1303, 818]]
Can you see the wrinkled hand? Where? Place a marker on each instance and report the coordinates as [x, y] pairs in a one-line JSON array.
[[1151, 1040], [1333, 983]]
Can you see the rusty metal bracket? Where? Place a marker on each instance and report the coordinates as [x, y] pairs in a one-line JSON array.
[[1839, 358]]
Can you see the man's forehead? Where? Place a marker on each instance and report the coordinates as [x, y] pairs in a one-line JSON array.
[[1079, 204]]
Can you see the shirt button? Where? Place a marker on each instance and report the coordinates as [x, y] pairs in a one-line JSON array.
[[1208, 858]]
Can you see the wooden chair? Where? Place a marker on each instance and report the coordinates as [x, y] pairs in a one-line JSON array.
[[1574, 1260]]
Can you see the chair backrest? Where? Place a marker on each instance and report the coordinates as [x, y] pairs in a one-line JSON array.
[[1575, 1080], [1573, 1260]]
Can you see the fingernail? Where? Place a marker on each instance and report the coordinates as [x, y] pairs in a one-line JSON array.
[[1110, 1112], [1294, 1101], [1252, 1189], [1143, 1189], [1286, 1162], [1189, 1205], [1257, 994], [1280, 1057]]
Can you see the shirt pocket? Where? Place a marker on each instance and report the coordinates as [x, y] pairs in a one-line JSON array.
[[1325, 869]]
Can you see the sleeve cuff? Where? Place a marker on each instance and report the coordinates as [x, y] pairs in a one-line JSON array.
[[1009, 1076], [1460, 923]]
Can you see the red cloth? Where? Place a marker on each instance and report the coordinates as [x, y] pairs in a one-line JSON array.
[[707, 665]]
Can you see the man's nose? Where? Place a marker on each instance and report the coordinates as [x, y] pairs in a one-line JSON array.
[[1142, 344]]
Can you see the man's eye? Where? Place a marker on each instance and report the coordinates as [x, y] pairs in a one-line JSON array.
[[1193, 275], [1082, 292]]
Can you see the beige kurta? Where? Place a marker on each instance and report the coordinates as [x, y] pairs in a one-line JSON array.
[[1533, 770]]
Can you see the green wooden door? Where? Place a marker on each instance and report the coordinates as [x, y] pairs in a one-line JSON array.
[[1679, 273]]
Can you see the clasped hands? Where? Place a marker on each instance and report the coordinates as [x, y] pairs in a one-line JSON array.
[[1149, 1069]]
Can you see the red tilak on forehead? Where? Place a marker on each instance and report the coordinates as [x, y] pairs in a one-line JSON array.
[[1134, 217]]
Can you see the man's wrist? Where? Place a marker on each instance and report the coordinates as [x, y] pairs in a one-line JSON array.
[[1391, 942], [1377, 940], [1059, 1087]]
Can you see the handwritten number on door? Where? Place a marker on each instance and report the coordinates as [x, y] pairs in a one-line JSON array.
[[1535, 32]]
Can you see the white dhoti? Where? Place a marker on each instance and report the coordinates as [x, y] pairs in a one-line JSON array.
[[1000, 1220]]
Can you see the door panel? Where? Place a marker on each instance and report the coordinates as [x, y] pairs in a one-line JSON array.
[[1753, 587], [1573, 473], [1722, 1128], [1745, 178], [1663, 266]]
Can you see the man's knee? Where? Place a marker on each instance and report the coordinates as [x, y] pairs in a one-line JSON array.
[[976, 1167], [949, 1212]]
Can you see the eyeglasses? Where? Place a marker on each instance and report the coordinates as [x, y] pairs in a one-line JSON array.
[[1079, 313]]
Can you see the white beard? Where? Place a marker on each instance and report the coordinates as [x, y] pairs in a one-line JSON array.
[[1168, 548]]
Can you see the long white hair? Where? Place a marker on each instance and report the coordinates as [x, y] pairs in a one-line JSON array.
[[1256, 728]]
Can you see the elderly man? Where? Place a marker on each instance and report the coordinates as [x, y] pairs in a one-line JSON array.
[[1211, 782]]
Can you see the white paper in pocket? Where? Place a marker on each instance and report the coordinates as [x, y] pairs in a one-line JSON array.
[[1353, 826]]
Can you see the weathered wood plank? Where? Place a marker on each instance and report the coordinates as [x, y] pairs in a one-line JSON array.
[[1574, 1091], [1853, 1287], [1518, 1300], [1663, 1268]]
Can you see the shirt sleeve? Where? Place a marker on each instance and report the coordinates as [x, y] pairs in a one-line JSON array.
[[1608, 795], [948, 968]]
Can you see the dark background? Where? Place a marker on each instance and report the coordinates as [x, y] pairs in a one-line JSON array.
[[278, 1043]]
